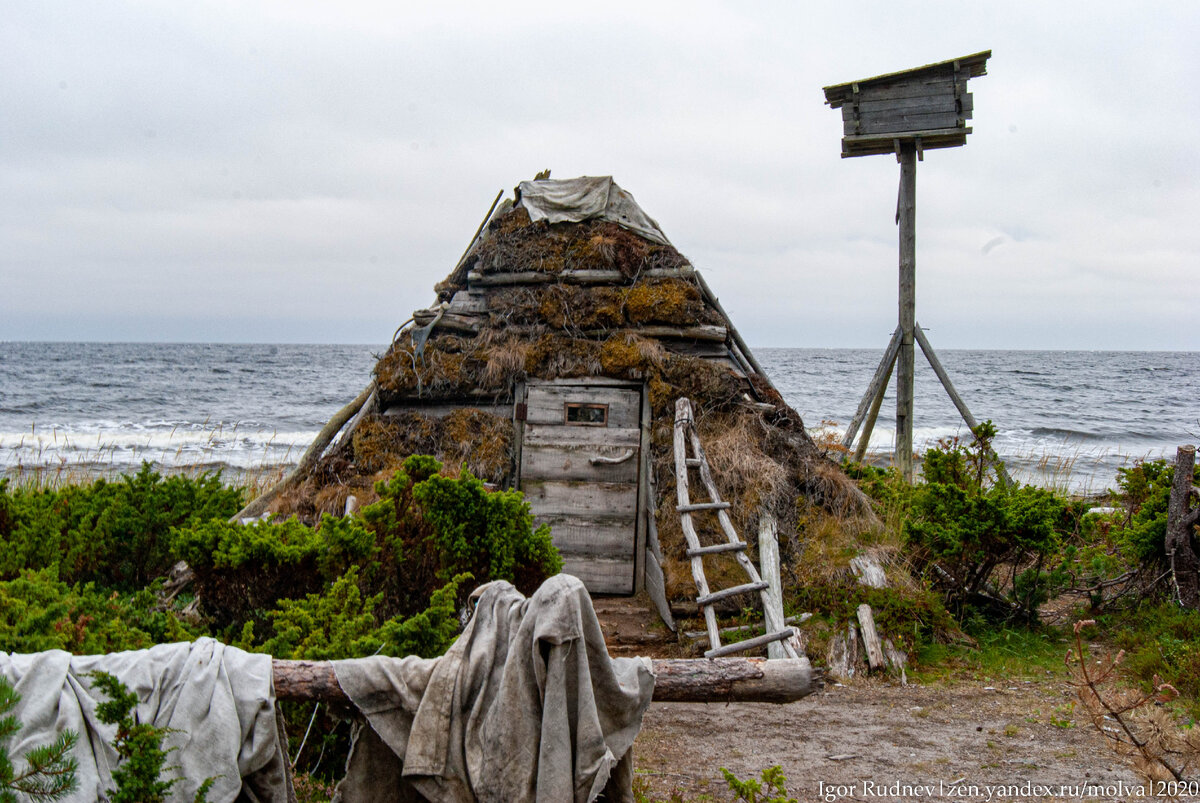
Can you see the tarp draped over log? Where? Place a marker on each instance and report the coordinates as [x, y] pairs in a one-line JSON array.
[[585, 198], [216, 702], [526, 705]]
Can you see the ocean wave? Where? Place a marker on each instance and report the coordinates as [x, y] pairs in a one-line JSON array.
[[1062, 432]]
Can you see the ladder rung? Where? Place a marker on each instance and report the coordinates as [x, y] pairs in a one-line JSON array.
[[750, 643], [692, 462], [712, 550], [702, 506], [731, 592]]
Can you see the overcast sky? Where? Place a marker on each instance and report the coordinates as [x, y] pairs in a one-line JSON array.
[[306, 172]]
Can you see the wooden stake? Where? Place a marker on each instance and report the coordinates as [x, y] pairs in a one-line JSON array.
[[875, 389], [872, 416], [768, 558], [1181, 520], [906, 213], [866, 623]]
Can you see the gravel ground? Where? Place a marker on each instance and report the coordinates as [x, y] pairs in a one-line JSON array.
[[868, 740]]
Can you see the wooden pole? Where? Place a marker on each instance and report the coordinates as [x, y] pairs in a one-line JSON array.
[[906, 214], [692, 680], [773, 620], [869, 425], [1182, 559], [878, 382], [940, 370]]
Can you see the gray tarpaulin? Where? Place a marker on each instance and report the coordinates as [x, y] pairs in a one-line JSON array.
[[527, 705], [578, 199], [217, 700]]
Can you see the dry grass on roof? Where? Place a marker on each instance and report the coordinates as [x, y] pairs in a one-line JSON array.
[[468, 438], [513, 243]]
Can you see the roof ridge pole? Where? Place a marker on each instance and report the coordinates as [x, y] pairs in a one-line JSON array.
[[906, 214]]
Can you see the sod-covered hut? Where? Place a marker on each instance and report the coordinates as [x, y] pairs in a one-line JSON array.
[[551, 363]]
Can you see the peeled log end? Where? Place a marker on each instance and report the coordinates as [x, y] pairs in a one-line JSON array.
[[746, 680], [697, 680]]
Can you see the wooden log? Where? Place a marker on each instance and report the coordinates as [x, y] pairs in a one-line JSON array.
[[1181, 520], [702, 680], [940, 370], [699, 506], [733, 591], [897, 660], [842, 657], [708, 333], [906, 217], [866, 624], [715, 549], [696, 635], [751, 643]]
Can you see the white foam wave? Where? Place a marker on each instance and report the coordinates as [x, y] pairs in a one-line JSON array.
[[129, 445]]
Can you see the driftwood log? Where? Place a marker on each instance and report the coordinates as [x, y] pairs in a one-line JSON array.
[[1181, 520], [700, 680]]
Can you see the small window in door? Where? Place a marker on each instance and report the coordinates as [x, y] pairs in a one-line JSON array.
[[586, 415]]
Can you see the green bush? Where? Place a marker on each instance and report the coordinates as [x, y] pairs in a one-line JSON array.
[[39, 612], [1146, 492], [342, 623], [386, 580], [241, 570], [113, 533]]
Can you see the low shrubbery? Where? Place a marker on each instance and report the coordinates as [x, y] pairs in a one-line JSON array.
[[78, 565], [998, 554]]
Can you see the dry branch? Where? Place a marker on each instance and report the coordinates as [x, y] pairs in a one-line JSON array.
[[310, 456]]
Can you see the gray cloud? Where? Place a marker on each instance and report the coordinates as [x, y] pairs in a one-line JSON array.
[[288, 171]]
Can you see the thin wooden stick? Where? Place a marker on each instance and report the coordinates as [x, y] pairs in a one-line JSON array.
[[711, 297]]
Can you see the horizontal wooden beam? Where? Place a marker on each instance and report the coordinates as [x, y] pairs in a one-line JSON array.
[[726, 593], [503, 278], [700, 680], [716, 549]]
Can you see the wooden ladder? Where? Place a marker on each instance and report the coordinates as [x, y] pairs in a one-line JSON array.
[[685, 432]]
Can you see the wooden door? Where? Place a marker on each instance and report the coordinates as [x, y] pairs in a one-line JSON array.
[[580, 458]]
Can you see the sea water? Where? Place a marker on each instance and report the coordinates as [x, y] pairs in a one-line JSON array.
[[1065, 418]]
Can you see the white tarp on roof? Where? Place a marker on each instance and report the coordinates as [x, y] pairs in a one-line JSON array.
[[577, 199]]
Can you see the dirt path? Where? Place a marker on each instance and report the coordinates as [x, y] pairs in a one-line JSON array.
[[959, 738]]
